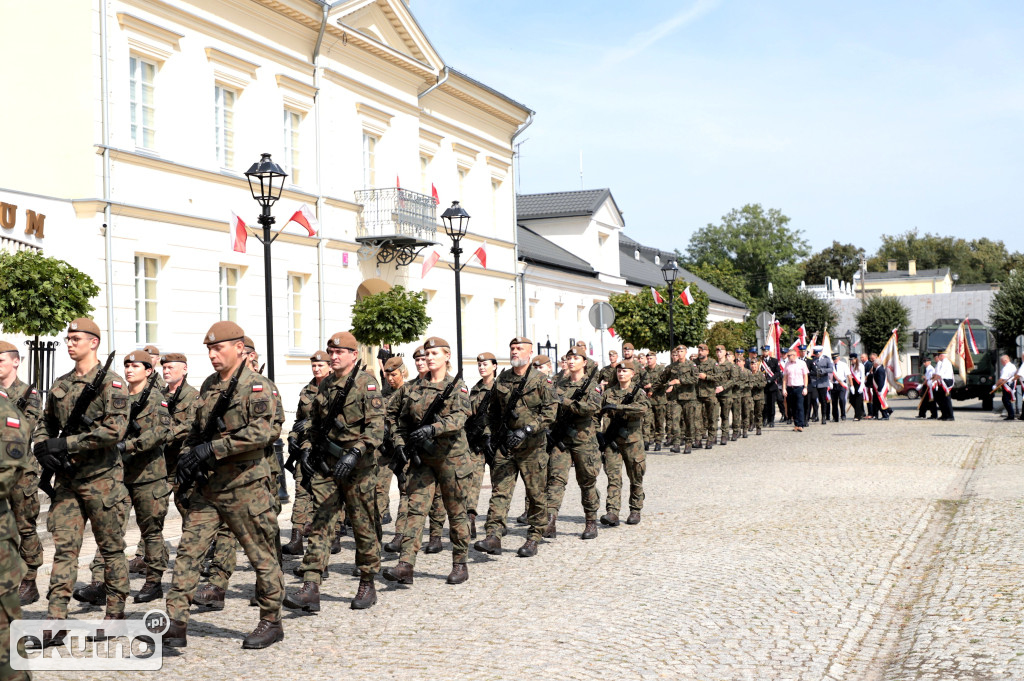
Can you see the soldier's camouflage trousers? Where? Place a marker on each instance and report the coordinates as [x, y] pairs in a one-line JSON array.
[[748, 412], [532, 463], [586, 459], [658, 410], [757, 412], [437, 512], [736, 422], [692, 419], [359, 494], [302, 509], [673, 418], [611, 459], [633, 457], [98, 501], [476, 482], [248, 512], [226, 545], [24, 501], [724, 412], [150, 501], [451, 476], [10, 610], [708, 429], [384, 475], [179, 503]]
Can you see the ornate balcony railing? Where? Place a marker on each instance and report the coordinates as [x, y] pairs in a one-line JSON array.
[[396, 214]]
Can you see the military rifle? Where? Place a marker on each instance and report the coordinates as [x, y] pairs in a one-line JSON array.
[[22, 402], [214, 425], [77, 420], [563, 422], [429, 417], [319, 437], [172, 402], [477, 423], [300, 429], [502, 433], [617, 423], [140, 405]]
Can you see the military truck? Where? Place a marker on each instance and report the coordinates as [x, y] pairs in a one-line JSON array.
[[980, 380]]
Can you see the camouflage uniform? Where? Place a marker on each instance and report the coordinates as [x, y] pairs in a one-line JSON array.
[[659, 404], [15, 459], [476, 398], [708, 429], [145, 476], [746, 400], [727, 380], [237, 493], [445, 464], [582, 447], [735, 390], [302, 509], [758, 381], [91, 491], [536, 409], [182, 413], [630, 450], [24, 499], [673, 409], [360, 424]]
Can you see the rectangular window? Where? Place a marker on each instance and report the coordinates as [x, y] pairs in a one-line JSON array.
[[142, 76], [229, 277], [495, 186], [295, 282], [224, 125], [497, 321], [146, 270], [369, 161], [291, 145], [462, 183]]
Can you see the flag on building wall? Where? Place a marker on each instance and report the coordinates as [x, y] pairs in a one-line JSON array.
[[481, 255], [239, 233], [658, 300], [686, 297], [429, 261], [307, 218], [433, 192]]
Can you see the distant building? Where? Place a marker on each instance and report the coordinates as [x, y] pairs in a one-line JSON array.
[[832, 289], [908, 282]]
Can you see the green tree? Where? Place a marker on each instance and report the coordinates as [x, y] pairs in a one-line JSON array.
[[395, 316], [644, 323], [756, 242], [795, 307], [977, 261], [1007, 311], [878, 317], [732, 335], [838, 261], [40, 295]]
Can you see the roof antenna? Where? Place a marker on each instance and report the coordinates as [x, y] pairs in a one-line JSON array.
[[519, 165]]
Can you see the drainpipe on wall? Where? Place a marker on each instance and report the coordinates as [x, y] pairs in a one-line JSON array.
[[440, 81], [108, 242], [320, 243], [515, 223]]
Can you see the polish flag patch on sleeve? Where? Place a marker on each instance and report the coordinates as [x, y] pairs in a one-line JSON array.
[[163, 404], [371, 387], [34, 391], [464, 389], [257, 387], [4, 395], [116, 384], [13, 422]]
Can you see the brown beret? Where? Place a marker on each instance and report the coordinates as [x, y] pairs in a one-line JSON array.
[[702, 346], [140, 356], [541, 360], [575, 351], [628, 346], [343, 340], [7, 347], [393, 364], [580, 344], [681, 347], [174, 357], [419, 352], [626, 364], [151, 349], [249, 345], [224, 331], [320, 356], [520, 340], [486, 357], [85, 325], [435, 342]]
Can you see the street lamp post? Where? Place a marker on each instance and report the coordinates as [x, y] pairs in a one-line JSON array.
[[456, 223], [266, 181], [669, 272]]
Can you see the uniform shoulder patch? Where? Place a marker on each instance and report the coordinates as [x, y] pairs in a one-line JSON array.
[[4, 395], [34, 392], [119, 402], [116, 384], [257, 387], [260, 406], [14, 450], [371, 386], [548, 380], [163, 403], [463, 389], [13, 422], [377, 403]]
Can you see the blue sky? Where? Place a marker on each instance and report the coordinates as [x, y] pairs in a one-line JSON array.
[[854, 119]]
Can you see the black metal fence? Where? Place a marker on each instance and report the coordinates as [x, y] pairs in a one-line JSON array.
[[41, 357]]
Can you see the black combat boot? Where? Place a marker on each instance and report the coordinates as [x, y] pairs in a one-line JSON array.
[[687, 449], [522, 519], [151, 590], [386, 518], [675, 449], [137, 566], [758, 430], [366, 595], [306, 599], [459, 574], [28, 593], [395, 545], [471, 517], [529, 549], [265, 634], [724, 440], [490, 545], [401, 573], [634, 518], [434, 545], [551, 530], [657, 446], [734, 437], [610, 519], [589, 530], [93, 594], [176, 635], [294, 547], [209, 596]]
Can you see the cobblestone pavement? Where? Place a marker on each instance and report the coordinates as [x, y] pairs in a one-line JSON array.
[[849, 551]]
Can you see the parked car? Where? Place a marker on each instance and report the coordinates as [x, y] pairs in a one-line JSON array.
[[912, 386]]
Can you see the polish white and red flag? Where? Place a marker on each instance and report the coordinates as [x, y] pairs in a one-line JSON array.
[[611, 330], [429, 261], [481, 255], [239, 233], [658, 300], [305, 217], [433, 192], [686, 297]]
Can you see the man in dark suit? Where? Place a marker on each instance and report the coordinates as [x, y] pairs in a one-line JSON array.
[[773, 388], [881, 388]]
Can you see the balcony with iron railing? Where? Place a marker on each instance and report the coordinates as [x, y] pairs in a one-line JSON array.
[[395, 224]]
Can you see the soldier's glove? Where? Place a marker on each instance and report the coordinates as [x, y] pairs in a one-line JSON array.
[[399, 456], [51, 453], [346, 465], [300, 427], [134, 430], [601, 441], [421, 435], [294, 449], [189, 464], [517, 437], [306, 464], [489, 452], [122, 447]]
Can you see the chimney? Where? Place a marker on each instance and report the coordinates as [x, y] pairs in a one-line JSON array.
[[892, 265], [912, 266]]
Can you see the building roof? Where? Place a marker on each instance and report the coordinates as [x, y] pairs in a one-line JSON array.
[[561, 204], [905, 274], [535, 249], [926, 308], [644, 272]]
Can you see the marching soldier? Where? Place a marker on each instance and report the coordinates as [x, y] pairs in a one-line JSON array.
[[744, 400], [673, 409], [681, 388], [577, 444], [394, 373], [758, 381], [302, 511], [478, 431], [431, 435], [708, 388], [659, 402], [347, 427], [161, 384], [728, 375], [24, 499], [14, 462], [145, 476], [626, 439], [523, 407], [225, 458], [607, 374], [419, 358], [89, 482]]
